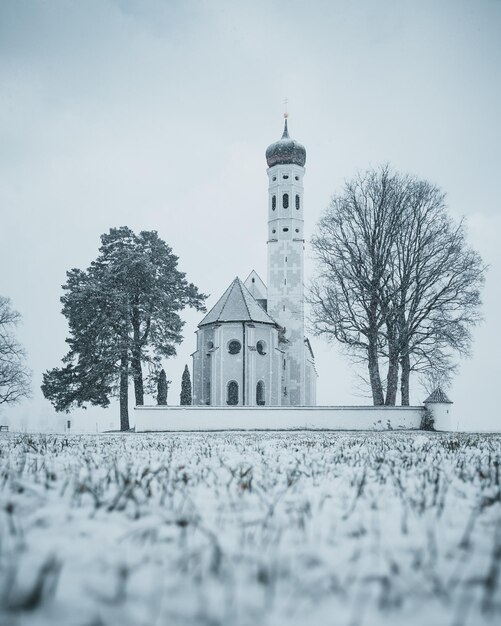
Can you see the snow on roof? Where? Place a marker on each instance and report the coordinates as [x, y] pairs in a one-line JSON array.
[[237, 305], [256, 286], [437, 396]]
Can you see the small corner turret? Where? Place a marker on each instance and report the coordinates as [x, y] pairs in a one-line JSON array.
[[439, 406]]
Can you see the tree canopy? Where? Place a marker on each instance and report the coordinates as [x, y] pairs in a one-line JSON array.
[[14, 375], [396, 282], [162, 388], [123, 314], [186, 397]]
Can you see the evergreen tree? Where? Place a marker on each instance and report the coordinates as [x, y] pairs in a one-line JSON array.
[[123, 312], [186, 387], [162, 388]]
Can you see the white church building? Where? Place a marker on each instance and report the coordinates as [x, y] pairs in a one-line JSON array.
[[251, 346], [253, 368]]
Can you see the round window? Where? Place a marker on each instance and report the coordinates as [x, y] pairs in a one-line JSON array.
[[210, 345], [261, 347], [234, 346]]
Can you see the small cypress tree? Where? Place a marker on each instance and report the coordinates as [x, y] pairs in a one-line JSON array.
[[162, 388], [186, 387]]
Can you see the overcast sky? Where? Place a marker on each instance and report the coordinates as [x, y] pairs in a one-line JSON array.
[[157, 114]]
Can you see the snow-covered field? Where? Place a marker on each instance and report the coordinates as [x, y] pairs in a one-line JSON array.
[[257, 528]]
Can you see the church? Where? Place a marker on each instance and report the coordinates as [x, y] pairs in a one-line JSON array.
[[251, 346]]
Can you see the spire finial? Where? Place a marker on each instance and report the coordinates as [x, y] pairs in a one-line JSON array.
[[286, 115]]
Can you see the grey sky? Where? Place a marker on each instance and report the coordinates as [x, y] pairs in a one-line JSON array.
[[156, 115]]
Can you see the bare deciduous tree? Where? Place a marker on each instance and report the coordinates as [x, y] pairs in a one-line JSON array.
[[14, 375], [353, 247], [434, 288], [396, 283]]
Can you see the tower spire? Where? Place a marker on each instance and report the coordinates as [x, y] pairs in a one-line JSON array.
[[286, 115], [285, 134]]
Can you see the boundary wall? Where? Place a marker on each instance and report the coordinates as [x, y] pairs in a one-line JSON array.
[[207, 418]]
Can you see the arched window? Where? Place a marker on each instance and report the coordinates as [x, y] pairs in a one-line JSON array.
[[261, 347], [234, 346], [297, 202], [273, 203], [232, 393], [285, 201], [260, 393]]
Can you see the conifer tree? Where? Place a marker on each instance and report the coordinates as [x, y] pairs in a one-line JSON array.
[[162, 388], [186, 387], [123, 312]]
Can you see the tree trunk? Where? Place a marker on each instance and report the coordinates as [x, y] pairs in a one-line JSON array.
[[405, 363], [124, 389], [374, 374], [392, 378], [137, 372]]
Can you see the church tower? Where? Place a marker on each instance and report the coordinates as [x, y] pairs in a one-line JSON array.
[[251, 348], [286, 159]]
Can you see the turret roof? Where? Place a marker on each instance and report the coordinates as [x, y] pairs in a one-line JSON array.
[[237, 305], [438, 396]]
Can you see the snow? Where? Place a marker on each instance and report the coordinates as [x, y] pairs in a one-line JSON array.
[[245, 528]]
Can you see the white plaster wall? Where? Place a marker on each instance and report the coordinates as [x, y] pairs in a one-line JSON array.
[[286, 273], [442, 417], [202, 366], [188, 418], [262, 367], [217, 366]]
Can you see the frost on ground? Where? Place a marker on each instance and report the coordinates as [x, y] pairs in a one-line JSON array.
[[240, 529]]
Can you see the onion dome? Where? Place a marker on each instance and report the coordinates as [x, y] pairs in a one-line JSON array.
[[287, 151]]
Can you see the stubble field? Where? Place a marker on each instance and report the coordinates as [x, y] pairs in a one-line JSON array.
[[235, 529]]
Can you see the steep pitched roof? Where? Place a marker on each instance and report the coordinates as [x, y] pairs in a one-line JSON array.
[[256, 286], [437, 396], [237, 305]]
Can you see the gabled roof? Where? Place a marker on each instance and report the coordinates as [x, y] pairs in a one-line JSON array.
[[437, 397], [237, 305], [256, 286]]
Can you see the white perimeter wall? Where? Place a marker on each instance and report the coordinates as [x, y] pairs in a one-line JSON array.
[[182, 418]]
